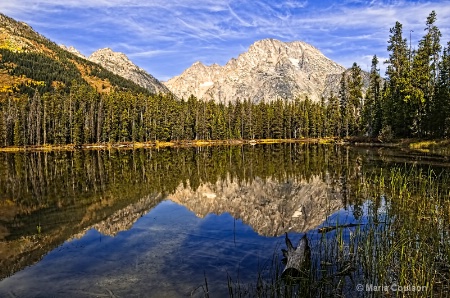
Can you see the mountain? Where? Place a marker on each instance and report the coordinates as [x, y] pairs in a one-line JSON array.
[[30, 62], [119, 64], [72, 50], [270, 69]]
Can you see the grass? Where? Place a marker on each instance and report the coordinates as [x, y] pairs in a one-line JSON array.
[[441, 147], [402, 243], [46, 148], [161, 144], [327, 141], [435, 146], [422, 144], [12, 149]]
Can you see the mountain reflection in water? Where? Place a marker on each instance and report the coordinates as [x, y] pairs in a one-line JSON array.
[[144, 221], [269, 207]]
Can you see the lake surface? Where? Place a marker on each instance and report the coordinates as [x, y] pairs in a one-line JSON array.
[[180, 222]]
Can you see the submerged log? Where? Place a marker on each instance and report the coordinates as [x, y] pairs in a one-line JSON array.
[[297, 260], [324, 230]]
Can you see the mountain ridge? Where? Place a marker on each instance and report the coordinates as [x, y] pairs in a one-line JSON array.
[[270, 69], [121, 65]]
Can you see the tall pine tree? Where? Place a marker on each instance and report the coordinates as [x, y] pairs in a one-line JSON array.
[[372, 114], [425, 70], [397, 108]]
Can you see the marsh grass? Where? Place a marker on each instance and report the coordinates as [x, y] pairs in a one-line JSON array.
[[441, 147], [402, 241]]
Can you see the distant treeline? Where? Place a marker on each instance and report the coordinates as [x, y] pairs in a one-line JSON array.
[[84, 116], [412, 101]]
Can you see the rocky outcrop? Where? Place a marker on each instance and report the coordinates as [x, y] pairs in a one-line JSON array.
[[269, 207], [197, 80], [72, 50], [270, 69], [119, 64]]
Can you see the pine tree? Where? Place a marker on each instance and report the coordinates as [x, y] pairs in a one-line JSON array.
[[322, 120], [398, 96], [424, 78], [277, 119], [78, 127], [306, 117], [257, 122], [219, 131], [287, 120], [440, 106], [372, 113], [333, 113], [296, 121], [247, 121], [191, 118], [124, 126], [236, 123], [354, 85], [344, 107]]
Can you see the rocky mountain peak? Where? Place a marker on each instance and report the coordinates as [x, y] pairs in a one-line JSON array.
[[198, 64], [121, 65], [197, 79], [72, 50], [270, 69], [114, 60]]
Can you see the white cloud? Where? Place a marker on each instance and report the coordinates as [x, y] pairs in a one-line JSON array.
[[150, 54], [216, 30]]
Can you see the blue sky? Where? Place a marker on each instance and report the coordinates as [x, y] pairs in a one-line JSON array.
[[165, 37]]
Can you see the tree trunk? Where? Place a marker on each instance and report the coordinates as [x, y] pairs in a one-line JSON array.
[[296, 259]]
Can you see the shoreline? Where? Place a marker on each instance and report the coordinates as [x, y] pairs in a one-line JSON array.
[[164, 144], [412, 144]]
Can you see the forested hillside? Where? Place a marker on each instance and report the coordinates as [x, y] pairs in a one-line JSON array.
[[53, 103], [30, 62]]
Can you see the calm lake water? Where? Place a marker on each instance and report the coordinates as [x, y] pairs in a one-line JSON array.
[[158, 223]]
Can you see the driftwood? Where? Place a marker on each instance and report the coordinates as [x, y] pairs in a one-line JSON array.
[[297, 260], [324, 230]]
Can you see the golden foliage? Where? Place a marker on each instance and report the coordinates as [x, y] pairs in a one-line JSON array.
[[9, 84]]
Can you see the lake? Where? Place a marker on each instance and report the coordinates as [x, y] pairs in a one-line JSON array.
[[211, 221]]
